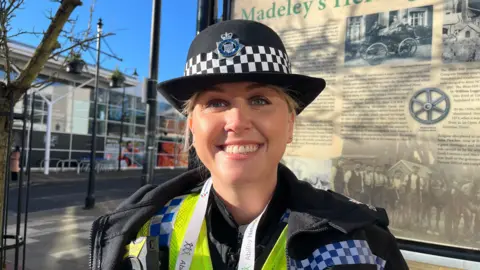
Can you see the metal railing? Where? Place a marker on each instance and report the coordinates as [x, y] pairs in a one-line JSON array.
[[61, 164], [107, 165], [42, 162]]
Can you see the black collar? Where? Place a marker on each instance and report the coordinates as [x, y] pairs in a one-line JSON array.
[[269, 220]]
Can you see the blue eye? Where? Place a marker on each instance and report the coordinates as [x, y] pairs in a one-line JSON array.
[[259, 101], [216, 103]]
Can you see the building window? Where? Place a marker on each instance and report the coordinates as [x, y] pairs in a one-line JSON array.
[[100, 127], [114, 128], [102, 95], [354, 30], [417, 18], [114, 113], [115, 99], [140, 118], [139, 105], [139, 132], [101, 111], [467, 34]]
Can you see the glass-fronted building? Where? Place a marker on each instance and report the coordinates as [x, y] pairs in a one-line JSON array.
[[71, 101]]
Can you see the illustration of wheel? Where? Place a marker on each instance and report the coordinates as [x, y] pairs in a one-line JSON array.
[[429, 106], [376, 53], [363, 51], [407, 48]]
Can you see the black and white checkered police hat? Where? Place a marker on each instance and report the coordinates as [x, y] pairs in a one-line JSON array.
[[239, 51]]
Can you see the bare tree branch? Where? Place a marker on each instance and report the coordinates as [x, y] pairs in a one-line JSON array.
[[48, 44], [89, 27], [12, 6], [79, 43], [6, 15], [24, 32], [52, 78]]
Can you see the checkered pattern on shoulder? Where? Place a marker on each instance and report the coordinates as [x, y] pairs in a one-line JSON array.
[[286, 215], [249, 59], [341, 253], [162, 223]]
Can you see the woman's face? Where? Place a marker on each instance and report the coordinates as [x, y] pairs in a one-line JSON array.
[[241, 130]]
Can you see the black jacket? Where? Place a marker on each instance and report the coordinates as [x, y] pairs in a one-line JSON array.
[[317, 218]]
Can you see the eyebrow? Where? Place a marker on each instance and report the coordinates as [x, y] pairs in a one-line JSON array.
[[250, 87]]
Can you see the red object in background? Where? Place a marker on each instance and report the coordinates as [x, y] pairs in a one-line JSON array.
[[166, 157]]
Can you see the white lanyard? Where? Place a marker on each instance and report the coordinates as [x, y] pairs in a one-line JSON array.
[[247, 251]]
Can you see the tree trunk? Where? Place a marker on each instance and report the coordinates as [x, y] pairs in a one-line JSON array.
[[23, 82], [4, 159]]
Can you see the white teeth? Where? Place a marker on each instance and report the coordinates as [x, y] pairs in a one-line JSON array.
[[241, 149]]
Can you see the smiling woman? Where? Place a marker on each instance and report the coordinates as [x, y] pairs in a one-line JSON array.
[[243, 209], [240, 133]]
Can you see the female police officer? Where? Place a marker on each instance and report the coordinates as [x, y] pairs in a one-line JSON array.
[[243, 209]]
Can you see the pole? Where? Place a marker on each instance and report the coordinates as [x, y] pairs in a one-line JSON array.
[[205, 14], [23, 161], [205, 17], [90, 199], [121, 130], [27, 157], [227, 9], [148, 168], [48, 138], [29, 166]]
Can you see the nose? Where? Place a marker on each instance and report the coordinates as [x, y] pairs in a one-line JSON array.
[[238, 119]]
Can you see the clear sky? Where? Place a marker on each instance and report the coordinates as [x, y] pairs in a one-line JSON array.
[[130, 21]]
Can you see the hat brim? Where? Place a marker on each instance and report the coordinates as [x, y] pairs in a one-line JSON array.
[[303, 89]]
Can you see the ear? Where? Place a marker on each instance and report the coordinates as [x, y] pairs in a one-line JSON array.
[[190, 124], [291, 126]]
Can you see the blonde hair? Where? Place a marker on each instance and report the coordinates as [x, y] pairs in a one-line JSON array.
[[190, 105]]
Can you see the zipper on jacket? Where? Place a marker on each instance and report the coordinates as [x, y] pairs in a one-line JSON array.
[[92, 229], [97, 229]]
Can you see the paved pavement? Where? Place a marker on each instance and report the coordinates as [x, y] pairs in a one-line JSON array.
[[58, 227], [58, 239]]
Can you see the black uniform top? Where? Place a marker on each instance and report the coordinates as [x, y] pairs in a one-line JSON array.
[[225, 238], [318, 220]]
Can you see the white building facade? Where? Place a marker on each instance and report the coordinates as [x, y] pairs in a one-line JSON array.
[[70, 100]]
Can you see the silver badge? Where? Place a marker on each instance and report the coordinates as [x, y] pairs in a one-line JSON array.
[[229, 46]]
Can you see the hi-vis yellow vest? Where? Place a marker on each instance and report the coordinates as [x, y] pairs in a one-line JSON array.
[[170, 225]]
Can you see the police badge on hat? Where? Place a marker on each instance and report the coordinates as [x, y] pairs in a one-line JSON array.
[[229, 46]]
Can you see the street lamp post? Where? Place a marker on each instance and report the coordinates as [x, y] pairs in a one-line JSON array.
[[121, 130], [206, 16], [148, 168], [90, 199], [227, 8]]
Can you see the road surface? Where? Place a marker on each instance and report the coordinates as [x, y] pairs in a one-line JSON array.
[[58, 226]]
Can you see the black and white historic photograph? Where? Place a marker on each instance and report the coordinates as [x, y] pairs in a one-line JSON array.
[[392, 37], [461, 31], [425, 200], [314, 171]]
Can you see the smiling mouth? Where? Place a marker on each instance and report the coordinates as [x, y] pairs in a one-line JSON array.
[[241, 149]]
